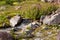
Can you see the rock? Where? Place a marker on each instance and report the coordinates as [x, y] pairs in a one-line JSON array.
[[5, 36], [52, 1], [41, 19], [52, 19], [17, 7], [47, 0], [57, 11], [58, 36], [32, 25], [16, 20], [22, 28], [16, 29], [23, 39], [57, 1], [43, 0], [37, 38], [4, 24], [2, 8], [29, 32], [49, 33]]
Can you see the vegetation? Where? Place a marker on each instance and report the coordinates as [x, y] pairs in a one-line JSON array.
[[52, 29], [29, 9]]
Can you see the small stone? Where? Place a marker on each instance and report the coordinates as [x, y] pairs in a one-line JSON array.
[[37, 39], [49, 33]]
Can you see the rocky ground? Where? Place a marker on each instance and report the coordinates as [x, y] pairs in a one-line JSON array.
[[31, 30], [30, 20]]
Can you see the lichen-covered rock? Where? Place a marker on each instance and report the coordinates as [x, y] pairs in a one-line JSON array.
[[52, 19], [5, 36], [15, 20]]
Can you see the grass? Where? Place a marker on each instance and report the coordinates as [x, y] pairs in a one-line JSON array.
[[29, 9]]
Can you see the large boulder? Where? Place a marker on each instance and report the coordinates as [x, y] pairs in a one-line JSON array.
[[52, 19], [5, 36], [15, 20]]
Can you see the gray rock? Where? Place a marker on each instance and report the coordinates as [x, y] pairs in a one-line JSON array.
[[29, 28], [38, 34], [32, 25], [58, 36], [37, 38], [15, 20], [52, 1], [5, 36], [52, 19], [47, 0], [41, 19]]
